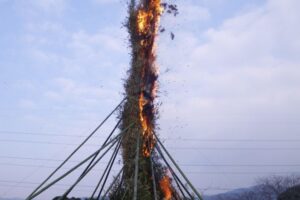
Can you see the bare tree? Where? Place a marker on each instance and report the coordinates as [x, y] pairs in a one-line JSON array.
[[271, 187], [292, 193], [267, 188]]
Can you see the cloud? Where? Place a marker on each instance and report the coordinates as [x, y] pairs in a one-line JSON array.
[[257, 37], [239, 80], [193, 13], [76, 93], [246, 67], [91, 44]]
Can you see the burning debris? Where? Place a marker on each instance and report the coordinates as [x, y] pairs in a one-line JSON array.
[[170, 8], [172, 35], [162, 30]]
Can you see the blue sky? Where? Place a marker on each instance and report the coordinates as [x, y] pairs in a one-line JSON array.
[[232, 73]]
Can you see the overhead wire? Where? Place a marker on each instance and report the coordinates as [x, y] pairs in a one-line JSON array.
[[171, 147], [191, 139], [181, 164]]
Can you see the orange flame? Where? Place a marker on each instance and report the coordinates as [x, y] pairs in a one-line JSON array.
[[147, 23], [148, 17], [148, 137], [165, 186], [142, 19]]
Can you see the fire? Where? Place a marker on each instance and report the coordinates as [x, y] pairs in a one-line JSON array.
[[148, 16], [147, 130], [165, 186], [147, 22], [142, 18]]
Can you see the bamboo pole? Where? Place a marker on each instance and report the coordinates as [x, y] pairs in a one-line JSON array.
[[136, 167]]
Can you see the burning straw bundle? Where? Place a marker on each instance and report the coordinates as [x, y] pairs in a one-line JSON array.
[[140, 90]]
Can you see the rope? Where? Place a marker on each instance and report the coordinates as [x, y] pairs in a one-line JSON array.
[[43, 183]]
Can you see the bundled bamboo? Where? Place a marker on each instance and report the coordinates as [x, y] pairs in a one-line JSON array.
[[140, 90]]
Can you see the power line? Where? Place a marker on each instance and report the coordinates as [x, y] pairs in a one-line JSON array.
[[39, 166], [242, 165], [182, 164], [88, 186], [57, 187], [242, 173], [34, 183], [237, 149], [7, 183], [234, 140], [86, 189], [40, 134], [169, 147], [166, 138], [31, 158], [188, 172], [42, 142]]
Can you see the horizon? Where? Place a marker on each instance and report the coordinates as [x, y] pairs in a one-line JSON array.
[[228, 88]]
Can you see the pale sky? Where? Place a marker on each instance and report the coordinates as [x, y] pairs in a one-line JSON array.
[[229, 87]]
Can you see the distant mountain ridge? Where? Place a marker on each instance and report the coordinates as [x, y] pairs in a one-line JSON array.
[[236, 194], [250, 193]]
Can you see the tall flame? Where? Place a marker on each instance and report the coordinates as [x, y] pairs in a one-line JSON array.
[[148, 17], [147, 23], [165, 186]]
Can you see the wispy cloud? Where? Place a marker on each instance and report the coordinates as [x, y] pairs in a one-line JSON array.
[[247, 66], [81, 94]]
